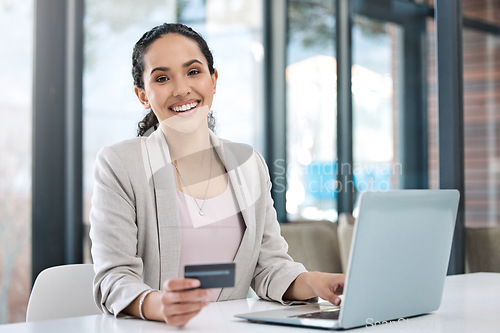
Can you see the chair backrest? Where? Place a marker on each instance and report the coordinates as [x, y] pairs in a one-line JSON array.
[[314, 244], [482, 249], [61, 292], [345, 229]]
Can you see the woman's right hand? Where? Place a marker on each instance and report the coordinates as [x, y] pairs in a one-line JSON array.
[[180, 301]]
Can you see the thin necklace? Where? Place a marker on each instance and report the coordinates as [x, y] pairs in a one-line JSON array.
[[201, 211]]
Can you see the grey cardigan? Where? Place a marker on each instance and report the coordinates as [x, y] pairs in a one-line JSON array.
[[135, 227]]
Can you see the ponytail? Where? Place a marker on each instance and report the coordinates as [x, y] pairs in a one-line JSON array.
[[147, 123]]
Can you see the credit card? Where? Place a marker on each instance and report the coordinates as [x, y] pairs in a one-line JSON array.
[[212, 275]]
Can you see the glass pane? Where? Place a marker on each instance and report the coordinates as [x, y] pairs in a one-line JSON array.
[[233, 31], [433, 150], [16, 58], [484, 10], [481, 56], [374, 87], [311, 76], [111, 110]]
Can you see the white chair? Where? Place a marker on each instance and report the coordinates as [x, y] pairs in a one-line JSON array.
[[61, 292]]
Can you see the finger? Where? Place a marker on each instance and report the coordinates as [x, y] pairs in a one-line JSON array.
[[337, 284], [180, 320], [183, 308], [180, 284], [331, 294], [332, 298], [185, 296], [339, 289]]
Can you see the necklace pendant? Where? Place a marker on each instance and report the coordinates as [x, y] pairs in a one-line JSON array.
[[202, 212]]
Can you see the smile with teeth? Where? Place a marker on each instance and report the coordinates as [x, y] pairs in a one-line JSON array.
[[185, 107]]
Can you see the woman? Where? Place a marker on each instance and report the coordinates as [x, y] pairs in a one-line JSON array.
[[183, 196]]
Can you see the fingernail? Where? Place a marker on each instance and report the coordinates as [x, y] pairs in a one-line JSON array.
[[195, 283], [337, 301]]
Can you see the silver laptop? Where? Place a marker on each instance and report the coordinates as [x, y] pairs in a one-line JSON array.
[[398, 262]]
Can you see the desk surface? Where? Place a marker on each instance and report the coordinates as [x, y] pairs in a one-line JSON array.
[[471, 303]]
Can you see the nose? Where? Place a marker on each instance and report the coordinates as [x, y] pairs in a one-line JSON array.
[[181, 87]]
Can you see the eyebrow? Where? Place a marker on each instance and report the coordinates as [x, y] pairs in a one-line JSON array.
[[186, 64]]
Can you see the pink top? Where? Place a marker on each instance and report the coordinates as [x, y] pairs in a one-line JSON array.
[[212, 238]]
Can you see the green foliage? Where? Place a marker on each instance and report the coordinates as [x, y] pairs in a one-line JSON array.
[[312, 22]]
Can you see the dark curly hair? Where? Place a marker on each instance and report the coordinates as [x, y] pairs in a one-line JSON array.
[[140, 49]]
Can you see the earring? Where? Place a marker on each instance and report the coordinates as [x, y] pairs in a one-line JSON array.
[[211, 121]]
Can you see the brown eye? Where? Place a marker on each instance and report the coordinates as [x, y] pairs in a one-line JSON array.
[[193, 72], [161, 79]]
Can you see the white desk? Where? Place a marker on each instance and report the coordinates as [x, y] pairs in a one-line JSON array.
[[471, 303]]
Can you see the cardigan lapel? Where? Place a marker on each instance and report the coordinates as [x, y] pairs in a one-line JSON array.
[[167, 213]]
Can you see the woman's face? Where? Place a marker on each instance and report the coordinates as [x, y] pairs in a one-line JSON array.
[[178, 85]]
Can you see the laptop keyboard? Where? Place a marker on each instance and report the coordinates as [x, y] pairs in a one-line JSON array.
[[320, 315]]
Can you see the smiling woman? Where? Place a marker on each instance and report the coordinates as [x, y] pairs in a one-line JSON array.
[[181, 196]]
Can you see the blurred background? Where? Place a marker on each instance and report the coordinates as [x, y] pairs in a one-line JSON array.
[[277, 91]]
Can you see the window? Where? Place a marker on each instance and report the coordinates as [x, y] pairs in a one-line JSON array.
[[311, 111], [484, 10], [377, 99], [481, 56], [16, 21], [111, 110], [389, 132], [432, 105]]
